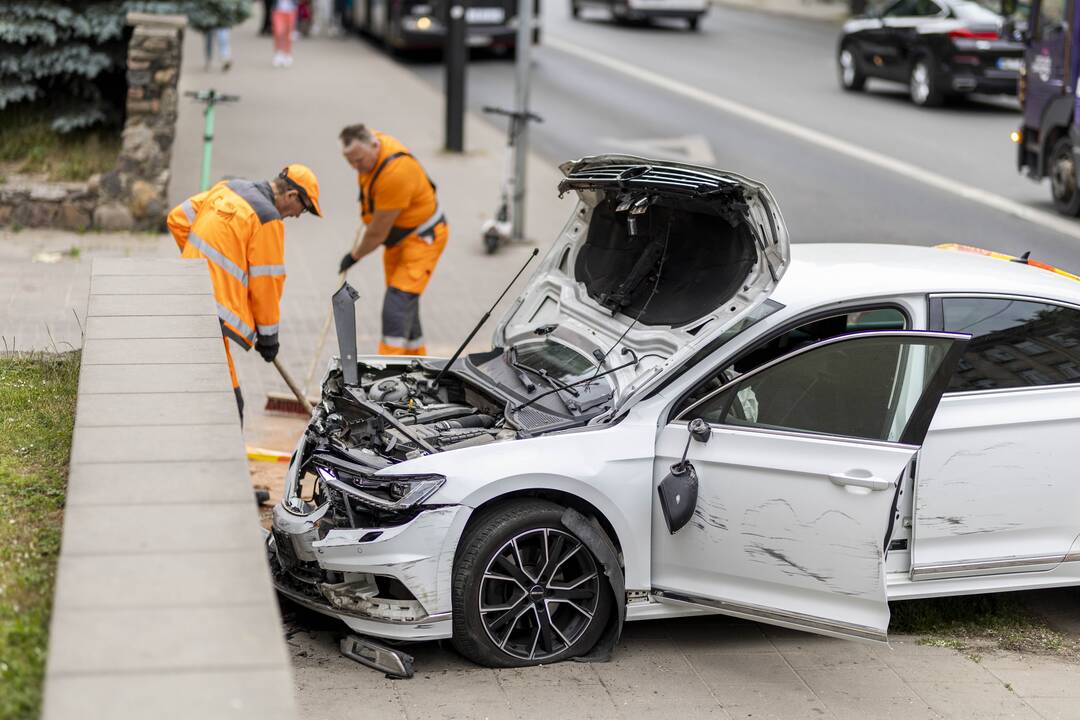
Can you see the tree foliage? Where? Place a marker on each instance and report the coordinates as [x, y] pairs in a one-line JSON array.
[[69, 57]]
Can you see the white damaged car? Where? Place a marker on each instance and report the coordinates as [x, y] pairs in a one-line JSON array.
[[683, 414]]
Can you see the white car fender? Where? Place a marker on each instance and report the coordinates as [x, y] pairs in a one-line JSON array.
[[611, 469]]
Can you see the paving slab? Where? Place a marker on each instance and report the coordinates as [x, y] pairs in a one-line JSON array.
[[204, 408], [167, 326], [102, 305], [122, 530], [952, 699], [174, 696], [141, 640], [109, 379], [156, 351], [154, 483], [132, 443], [185, 284], [168, 267], [771, 701], [158, 580]]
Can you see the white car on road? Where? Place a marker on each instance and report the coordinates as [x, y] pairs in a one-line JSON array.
[[682, 413]]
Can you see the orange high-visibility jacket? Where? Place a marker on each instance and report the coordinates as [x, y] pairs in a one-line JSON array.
[[235, 226]]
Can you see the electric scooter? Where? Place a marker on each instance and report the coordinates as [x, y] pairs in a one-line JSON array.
[[209, 98], [499, 229]]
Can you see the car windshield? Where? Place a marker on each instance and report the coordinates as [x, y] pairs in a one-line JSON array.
[[556, 359]]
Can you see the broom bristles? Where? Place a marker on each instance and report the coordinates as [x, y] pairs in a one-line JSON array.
[[285, 404]]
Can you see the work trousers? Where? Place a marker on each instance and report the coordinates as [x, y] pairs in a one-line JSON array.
[[408, 266]]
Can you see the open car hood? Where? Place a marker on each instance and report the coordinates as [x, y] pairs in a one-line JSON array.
[[658, 256]]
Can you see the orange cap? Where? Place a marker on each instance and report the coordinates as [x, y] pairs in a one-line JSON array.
[[303, 180]]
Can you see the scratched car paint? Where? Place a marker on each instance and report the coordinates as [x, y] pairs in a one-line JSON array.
[[876, 422]]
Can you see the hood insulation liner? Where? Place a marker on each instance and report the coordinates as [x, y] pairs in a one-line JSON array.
[[707, 258]]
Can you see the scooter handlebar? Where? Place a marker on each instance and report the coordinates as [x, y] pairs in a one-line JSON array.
[[491, 110]]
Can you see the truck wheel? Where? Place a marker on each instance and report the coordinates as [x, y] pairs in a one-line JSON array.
[[922, 86], [1063, 183], [847, 70], [526, 590]]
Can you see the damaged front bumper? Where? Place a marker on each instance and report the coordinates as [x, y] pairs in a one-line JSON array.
[[387, 582]]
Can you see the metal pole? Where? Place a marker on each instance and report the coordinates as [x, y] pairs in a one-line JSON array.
[[456, 53], [208, 143], [521, 105]]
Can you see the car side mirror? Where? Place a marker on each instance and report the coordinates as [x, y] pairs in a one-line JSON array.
[[700, 431], [679, 489]]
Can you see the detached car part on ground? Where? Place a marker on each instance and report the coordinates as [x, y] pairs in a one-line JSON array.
[[671, 421]]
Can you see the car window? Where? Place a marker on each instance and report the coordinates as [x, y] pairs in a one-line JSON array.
[[1015, 343], [863, 387], [1051, 20], [884, 318]]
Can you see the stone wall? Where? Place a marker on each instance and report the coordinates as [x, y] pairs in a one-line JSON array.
[[133, 195]]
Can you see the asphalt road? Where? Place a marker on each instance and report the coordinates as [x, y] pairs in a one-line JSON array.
[[744, 66]]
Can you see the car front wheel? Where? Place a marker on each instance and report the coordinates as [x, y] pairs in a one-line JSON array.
[[922, 86], [526, 590], [851, 77], [1063, 181]]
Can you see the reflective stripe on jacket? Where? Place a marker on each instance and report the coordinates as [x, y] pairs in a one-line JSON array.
[[235, 226]]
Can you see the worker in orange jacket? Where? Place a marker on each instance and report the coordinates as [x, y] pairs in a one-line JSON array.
[[400, 211], [237, 227]]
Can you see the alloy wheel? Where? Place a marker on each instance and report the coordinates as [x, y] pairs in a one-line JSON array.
[[539, 594], [1063, 176]]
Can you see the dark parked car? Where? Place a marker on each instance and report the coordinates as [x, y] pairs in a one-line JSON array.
[[940, 48]]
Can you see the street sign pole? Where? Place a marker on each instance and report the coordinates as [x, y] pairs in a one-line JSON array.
[[456, 54], [521, 105]]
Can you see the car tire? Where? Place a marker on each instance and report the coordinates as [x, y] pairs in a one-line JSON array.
[[848, 71], [575, 10], [922, 86], [1061, 167], [692, 23], [508, 609]]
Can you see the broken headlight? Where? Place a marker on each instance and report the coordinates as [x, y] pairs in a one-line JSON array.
[[391, 493]]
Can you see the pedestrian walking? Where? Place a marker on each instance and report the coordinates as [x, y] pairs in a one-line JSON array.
[[222, 38], [268, 11], [237, 227], [400, 211], [284, 22]]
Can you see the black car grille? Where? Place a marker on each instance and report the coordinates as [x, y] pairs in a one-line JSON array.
[[285, 552], [530, 418]]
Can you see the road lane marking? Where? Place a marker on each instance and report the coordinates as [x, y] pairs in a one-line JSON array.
[[688, 148], [1003, 204]]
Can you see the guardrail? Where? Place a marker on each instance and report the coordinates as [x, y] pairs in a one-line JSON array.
[[164, 606]]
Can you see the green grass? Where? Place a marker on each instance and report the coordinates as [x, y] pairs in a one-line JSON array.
[[28, 145], [37, 414], [976, 624]]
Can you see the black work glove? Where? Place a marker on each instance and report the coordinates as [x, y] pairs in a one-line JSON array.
[[267, 347], [347, 262]]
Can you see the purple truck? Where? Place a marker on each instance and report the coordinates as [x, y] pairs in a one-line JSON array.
[[1048, 138]]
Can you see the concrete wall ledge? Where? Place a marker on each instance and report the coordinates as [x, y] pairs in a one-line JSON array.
[[164, 606]]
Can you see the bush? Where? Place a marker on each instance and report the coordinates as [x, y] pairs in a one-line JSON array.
[[69, 58]]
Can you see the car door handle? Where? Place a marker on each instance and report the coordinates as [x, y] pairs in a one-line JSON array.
[[861, 478]]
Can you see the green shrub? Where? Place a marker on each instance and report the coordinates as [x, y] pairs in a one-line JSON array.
[[68, 58]]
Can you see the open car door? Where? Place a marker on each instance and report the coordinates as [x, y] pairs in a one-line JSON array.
[[776, 494]]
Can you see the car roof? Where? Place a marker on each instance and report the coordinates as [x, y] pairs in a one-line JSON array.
[[832, 272]]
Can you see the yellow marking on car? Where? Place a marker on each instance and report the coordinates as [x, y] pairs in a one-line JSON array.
[[1002, 256]]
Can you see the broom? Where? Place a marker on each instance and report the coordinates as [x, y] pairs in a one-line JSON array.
[[298, 403]]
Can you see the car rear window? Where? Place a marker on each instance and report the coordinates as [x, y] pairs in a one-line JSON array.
[[1015, 343]]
